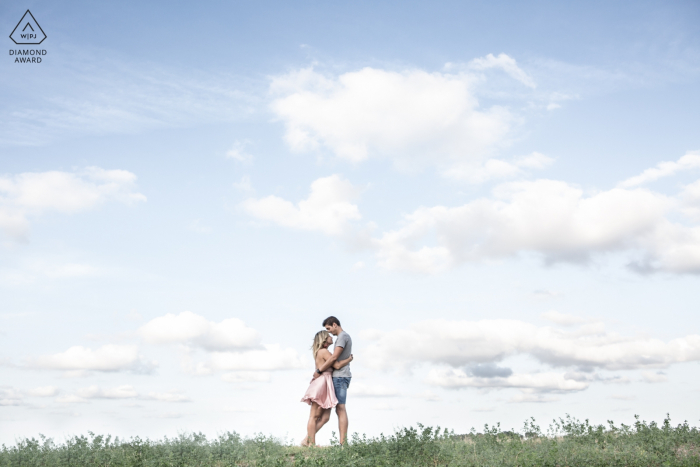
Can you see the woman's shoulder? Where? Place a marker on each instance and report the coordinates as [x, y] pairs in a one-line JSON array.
[[323, 352]]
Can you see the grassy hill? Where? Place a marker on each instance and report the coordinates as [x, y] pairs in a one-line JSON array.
[[568, 442]]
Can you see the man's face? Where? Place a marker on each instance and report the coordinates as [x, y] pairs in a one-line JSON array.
[[332, 328]]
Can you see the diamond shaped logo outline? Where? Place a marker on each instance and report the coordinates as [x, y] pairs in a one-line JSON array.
[[25, 27]]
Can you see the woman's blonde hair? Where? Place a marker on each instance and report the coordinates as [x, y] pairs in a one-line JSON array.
[[319, 339]]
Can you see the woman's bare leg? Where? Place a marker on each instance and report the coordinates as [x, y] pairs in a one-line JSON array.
[[311, 426], [323, 419]]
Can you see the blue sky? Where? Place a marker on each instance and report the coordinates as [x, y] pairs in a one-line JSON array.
[[500, 202]]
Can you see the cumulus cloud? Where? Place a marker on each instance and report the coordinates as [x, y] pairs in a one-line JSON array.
[[10, 396], [413, 117], [534, 382], [463, 344], [31, 194], [468, 354], [271, 357], [690, 160], [229, 346], [498, 169], [505, 63], [553, 219], [96, 392], [192, 329], [125, 391], [107, 358], [488, 370], [550, 217], [328, 208]]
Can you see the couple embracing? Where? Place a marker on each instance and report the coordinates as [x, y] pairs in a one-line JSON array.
[[329, 386]]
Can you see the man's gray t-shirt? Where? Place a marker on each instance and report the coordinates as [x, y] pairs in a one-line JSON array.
[[343, 340]]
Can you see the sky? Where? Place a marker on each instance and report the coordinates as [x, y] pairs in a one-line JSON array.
[[500, 201]]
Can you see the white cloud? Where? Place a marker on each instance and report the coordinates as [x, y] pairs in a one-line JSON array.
[[109, 357], [497, 169], [229, 345], [83, 395], [691, 160], [413, 117], [96, 392], [562, 319], [553, 219], [535, 160], [691, 200], [462, 343], [328, 208], [126, 391], [505, 63], [271, 357], [549, 217], [670, 247], [190, 328], [535, 382], [31, 194], [238, 152], [10, 396]]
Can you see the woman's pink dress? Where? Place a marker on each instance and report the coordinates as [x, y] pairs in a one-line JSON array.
[[321, 391]]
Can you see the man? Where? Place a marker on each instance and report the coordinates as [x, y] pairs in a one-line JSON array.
[[341, 378]]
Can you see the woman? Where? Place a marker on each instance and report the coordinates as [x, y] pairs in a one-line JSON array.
[[321, 395]]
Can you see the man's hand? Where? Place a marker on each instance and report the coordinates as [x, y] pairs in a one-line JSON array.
[[316, 375]]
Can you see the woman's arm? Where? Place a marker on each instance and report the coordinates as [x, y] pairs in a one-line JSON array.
[[341, 363]]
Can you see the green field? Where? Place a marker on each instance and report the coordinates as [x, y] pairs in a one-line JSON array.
[[567, 442]]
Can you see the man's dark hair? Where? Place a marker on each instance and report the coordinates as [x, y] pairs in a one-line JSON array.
[[330, 321]]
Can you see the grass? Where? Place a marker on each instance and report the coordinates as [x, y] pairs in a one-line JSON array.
[[568, 442]]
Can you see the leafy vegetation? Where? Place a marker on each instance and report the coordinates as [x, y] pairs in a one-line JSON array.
[[567, 442]]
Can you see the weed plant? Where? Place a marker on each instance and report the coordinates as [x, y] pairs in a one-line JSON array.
[[567, 443]]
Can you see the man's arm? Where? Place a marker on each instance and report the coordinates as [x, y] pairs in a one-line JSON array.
[[341, 363], [328, 363]]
